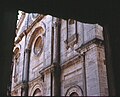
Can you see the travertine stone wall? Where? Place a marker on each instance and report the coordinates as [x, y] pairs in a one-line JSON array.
[[37, 83], [92, 76], [95, 70], [89, 32], [102, 71], [47, 44], [47, 84], [71, 76], [71, 61], [17, 90], [37, 63], [21, 46]]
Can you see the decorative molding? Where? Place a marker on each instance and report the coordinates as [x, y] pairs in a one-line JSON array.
[[34, 84], [73, 73], [44, 27], [38, 32], [77, 89], [49, 68], [38, 79], [17, 86], [70, 62], [87, 46]]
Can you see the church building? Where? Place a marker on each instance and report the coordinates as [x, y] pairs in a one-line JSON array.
[[58, 57]]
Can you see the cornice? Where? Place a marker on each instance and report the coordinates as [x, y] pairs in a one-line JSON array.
[[87, 46]]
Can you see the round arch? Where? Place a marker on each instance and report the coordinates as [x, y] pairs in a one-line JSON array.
[[37, 92], [74, 91], [37, 89], [38, 31]]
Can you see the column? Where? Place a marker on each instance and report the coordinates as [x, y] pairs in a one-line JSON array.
[[26, 73], [56, 60]]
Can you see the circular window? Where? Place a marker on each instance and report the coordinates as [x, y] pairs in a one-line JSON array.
[[38, 45]]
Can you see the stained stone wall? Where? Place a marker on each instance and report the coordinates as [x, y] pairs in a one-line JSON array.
[[21, 45], [92, 76], [102, 71], [72, 74], [72, 61], [47, 40]]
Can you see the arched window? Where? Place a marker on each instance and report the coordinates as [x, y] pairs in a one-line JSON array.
[[38, 45], [37, 92]]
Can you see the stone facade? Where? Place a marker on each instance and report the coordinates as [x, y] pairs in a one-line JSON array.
[[58, 57]]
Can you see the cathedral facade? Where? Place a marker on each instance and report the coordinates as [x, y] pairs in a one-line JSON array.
[[58, 57]]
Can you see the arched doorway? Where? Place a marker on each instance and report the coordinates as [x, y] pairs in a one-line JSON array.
[[37, 92]]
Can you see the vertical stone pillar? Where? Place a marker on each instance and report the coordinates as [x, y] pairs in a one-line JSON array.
[[52, 46], [56, 60], [84, 75], [56, 42], [26, 73]]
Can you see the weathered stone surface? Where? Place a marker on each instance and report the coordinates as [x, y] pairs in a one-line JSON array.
[[71, 62]]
